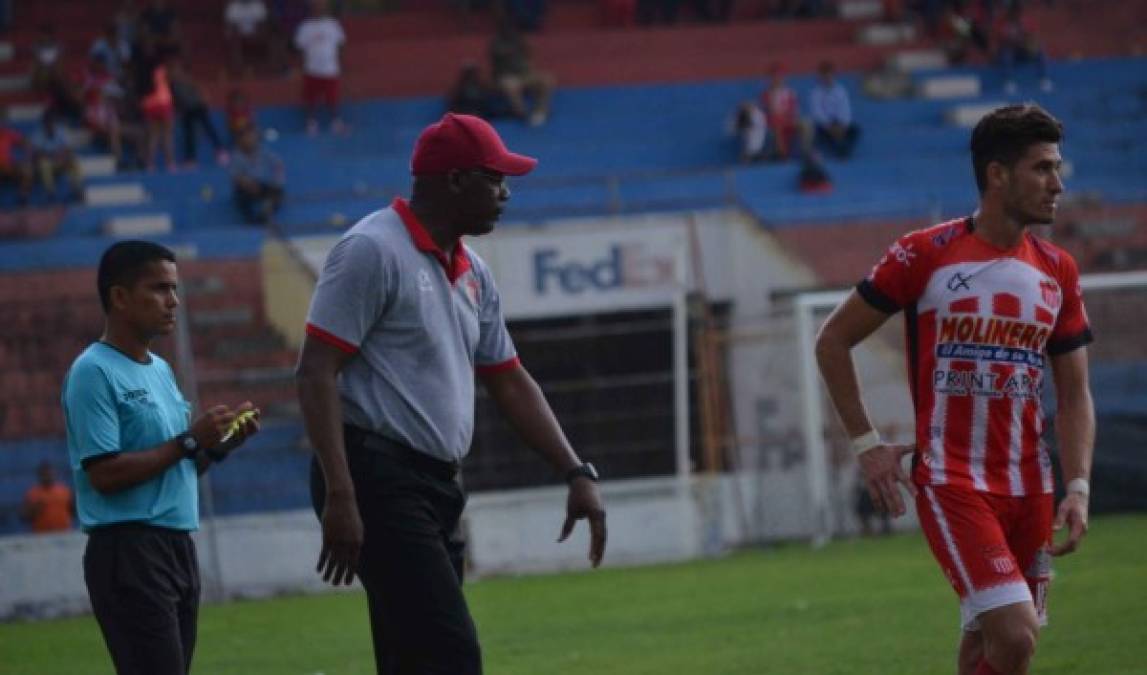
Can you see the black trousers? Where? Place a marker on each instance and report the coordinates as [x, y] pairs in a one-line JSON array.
[[411, 563], [143, 583], [198, 116]]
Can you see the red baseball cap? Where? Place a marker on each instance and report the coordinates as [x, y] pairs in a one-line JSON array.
[[465, 142]]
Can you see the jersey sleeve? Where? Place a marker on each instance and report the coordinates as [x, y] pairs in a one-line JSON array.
[[350, 294], [1072, 329], [495, 351], [90, 414], [897, 279]]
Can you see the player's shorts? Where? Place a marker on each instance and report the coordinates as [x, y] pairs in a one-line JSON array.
[[318, 89], [994, 549]]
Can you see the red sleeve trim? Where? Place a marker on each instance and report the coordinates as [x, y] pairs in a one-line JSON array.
[[494, 368], [331, 339]]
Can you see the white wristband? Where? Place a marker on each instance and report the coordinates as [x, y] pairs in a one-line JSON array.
[[864, 443], [1079, 486]]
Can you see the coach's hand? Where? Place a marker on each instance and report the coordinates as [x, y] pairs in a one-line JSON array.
[[342, 540], [882, 471], [584, 501], [1073, 513], [212, 425]]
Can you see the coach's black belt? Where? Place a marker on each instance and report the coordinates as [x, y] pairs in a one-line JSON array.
[[401, 453]]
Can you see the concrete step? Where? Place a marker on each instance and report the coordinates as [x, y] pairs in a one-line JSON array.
[[25, 112], [886, 34], [142, 225], [77, 138], [95, 166], [860, 10], [912, 60], [10, 83], [949, 86], [116, 194], [968, 114]]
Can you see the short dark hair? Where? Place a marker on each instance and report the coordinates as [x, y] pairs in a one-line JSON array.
[[123, 264], [1006, 133]]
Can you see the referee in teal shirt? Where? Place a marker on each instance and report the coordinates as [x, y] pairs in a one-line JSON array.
[[135, 461]]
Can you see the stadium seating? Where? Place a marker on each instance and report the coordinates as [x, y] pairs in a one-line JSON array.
[[638, 125]]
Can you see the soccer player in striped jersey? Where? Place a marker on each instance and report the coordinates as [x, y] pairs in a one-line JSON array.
[[986, 305]]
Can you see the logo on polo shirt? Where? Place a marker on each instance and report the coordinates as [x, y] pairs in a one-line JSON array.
[[424, 283]]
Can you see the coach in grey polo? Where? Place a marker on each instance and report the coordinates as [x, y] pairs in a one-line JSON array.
[[403, 318]]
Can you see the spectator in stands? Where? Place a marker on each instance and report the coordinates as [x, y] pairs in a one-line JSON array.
[[471, 94], [247, 31], [240, 114], [831, 113], [127, 21], [135, 453], [48, 77], [813, 177], [103, 98], [319, 38], [517, 79], [159, 21], [15, 166], [113, 49], [158, 104], [782, 109], [48, 505], [258, 178], [1015, 43], [53, 157], [963, 29], [193, 114], [751, 129]]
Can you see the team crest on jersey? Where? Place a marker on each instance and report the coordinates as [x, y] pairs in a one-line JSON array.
[[1049, 290]]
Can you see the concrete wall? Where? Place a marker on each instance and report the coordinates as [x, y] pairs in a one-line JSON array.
[[650, 520]]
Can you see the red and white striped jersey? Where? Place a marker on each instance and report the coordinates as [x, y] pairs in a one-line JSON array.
[[979, 324]]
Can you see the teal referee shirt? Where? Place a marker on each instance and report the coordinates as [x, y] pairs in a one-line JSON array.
[[112, 404]]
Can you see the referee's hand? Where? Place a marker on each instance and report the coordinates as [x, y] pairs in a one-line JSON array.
[[585, 502], [342, 540]]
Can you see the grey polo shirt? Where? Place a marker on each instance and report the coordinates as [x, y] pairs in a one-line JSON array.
[[418, 324]]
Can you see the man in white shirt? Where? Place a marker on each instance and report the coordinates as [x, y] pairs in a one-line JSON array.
[[831, 114], [319, 38], [245, 29]]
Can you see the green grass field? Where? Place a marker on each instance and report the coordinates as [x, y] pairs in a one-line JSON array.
[[867, 607]]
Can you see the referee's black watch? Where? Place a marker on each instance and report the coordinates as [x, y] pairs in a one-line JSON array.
[[585, 469], [188, 445]]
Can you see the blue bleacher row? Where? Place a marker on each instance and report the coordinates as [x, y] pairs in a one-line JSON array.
[[646, 147], [270, 473]]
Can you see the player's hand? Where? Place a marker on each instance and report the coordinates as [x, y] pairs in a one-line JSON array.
[[882, 470], [342, 540], [212, 425], [584, 501], [1073, 513]]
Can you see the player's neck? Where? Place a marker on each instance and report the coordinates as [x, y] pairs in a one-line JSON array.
[[996, 228], [126, 341]]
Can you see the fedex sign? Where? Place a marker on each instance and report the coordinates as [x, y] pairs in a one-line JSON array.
[[620, 266]]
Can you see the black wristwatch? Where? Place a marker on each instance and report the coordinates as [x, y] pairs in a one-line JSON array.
[[188, 444], [586, 470]]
